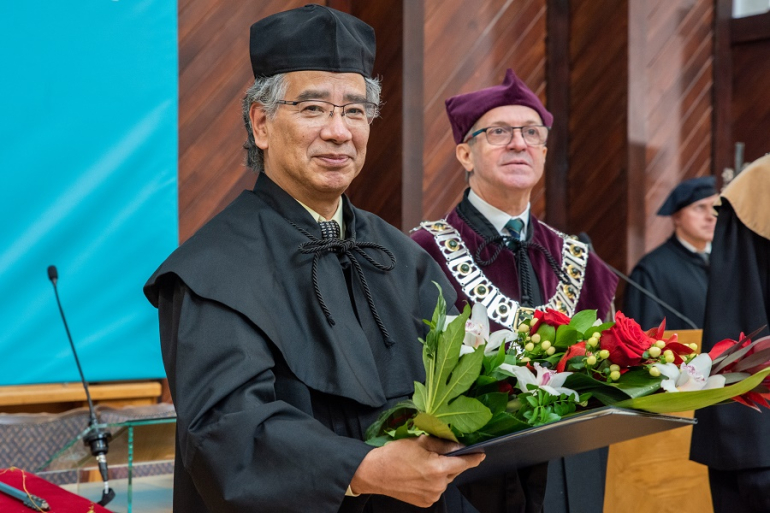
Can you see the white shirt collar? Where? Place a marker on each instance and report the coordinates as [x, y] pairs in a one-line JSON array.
[[336, 217], [497, 217], [692, 248]]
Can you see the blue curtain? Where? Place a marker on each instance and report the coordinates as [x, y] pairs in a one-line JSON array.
[[88, 155]]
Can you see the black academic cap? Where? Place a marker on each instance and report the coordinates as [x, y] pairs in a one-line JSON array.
[[687, 193], [313, 37]]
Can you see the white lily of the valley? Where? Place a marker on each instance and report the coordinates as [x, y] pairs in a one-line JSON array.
[[544, 379], [691, 376], [477, 332]]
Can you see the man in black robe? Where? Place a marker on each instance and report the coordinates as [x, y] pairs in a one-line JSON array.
[[291, 320], [733, 440], [495, 252], [677, 271]]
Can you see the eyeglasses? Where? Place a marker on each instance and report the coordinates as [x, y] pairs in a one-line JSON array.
[[317, 112], [533, 135]]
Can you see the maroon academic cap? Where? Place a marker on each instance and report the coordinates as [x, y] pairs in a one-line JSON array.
[[313, 37], [465, 109]]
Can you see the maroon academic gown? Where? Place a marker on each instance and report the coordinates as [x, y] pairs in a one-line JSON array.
[[524, 492]]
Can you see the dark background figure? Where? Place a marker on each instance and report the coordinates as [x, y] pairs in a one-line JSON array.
[[291, 319], [501, 134], [677, 271], [733, 440]]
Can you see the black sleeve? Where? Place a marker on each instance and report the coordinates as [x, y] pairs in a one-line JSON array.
[[244, 449]]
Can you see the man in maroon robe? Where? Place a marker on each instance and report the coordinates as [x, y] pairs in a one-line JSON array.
[[496, 252]]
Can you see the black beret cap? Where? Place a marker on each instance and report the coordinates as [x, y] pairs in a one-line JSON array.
[[313, 37], [687, 193]]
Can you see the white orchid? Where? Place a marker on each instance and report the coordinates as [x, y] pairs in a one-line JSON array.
[[690, 376], [544, 379], [477, 332]]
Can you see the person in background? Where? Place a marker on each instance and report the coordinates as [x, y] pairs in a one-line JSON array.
[[733, 440], [495, 251], [677, 270], [291, 320]]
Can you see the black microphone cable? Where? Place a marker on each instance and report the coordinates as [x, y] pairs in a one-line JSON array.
[[98, 438]]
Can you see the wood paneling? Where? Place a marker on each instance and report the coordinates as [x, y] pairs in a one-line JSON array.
[[598, 145], [678, 77], [750, 106], [469, 47], [214, 72], [378, 188]]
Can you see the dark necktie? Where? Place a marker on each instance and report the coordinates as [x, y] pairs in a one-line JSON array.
[[330, 229], [514, 227]]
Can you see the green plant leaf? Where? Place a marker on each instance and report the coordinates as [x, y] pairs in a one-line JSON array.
[[546, 332], [602, 391], [432, 425], [590, 331], [495, 401], [565, 336], [638, 383], [462, 376], [671, 402], [420, 396], [400, 409], [583, 320], [465, 414], [447, 357]]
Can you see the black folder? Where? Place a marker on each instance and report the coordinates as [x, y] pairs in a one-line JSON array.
[[577, 433]]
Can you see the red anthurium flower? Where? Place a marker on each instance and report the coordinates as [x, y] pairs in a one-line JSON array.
[[574, 350], [551, 317]]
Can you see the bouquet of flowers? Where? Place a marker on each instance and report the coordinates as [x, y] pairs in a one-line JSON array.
[[481, 385]]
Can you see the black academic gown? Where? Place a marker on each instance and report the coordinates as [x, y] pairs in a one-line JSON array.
[[677, 276], [733, 437], [272, 400]]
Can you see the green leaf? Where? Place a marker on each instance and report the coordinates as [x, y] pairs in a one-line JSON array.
[[434, 426], [447, 356], [462, 376], [495, 401], [565, 336], [483, 381], [602, 391], [379, 441], [602, 327], [494, 361], [501, 424], [465, 414], [671, 402], [439, 313], [638, 383], [583, 320], [546, 332], [400, 409], [420, 396]]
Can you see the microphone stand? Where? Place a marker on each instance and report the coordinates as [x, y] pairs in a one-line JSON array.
[[97, 438]]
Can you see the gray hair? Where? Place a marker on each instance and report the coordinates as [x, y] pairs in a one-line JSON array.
[[268, 91]]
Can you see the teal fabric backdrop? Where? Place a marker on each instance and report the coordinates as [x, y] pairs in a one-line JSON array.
[[88, 159]]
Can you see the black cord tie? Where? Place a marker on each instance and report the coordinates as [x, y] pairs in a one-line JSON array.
[[318, 247], [519, 247]]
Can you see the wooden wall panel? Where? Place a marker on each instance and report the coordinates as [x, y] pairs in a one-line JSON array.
[[598, 124], [750, 106], [214, 72], [469, 47], [678, 74]]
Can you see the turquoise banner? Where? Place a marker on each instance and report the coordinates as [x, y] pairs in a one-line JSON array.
[[88, 155]]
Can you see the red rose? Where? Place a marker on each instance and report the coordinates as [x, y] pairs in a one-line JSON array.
[[574, 350], [625, 341], [551, 317]]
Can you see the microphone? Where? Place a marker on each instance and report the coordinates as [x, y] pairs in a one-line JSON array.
[[97, 438], [585, 239]]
